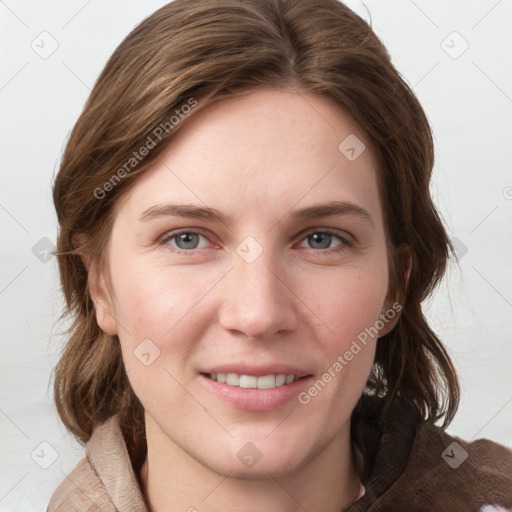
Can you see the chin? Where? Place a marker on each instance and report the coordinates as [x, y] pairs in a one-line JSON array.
[[258, 461], [259, 471]]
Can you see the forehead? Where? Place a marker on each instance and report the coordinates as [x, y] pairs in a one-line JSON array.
[[264, 151]]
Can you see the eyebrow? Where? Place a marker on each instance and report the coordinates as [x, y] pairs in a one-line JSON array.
[[184, 210], [330, 209], [206, 213]]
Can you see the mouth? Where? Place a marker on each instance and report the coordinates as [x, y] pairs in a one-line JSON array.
[[270, 381], [263, 392]]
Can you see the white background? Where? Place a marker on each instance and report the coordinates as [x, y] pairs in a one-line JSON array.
[[468, 100]]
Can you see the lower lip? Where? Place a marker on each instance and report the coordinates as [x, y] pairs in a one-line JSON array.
[[256, 399]]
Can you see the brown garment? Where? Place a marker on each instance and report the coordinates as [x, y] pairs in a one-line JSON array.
[[407, 465], [417, 467]]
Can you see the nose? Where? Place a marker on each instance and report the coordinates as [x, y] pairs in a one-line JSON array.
[[258, 302]]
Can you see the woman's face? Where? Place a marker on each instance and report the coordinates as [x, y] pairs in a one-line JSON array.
[[254, 246]]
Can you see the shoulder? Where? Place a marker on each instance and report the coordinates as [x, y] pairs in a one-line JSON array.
[[104, 479], [447, 472], [82, 490], [413, 465]]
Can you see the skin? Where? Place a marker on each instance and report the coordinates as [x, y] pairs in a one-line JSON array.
[[256, 158]]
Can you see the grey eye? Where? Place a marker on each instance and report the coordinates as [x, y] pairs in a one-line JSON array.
[[186, 241], [319, 240]]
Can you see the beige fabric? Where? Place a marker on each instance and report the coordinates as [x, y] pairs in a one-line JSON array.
[[104, 480]]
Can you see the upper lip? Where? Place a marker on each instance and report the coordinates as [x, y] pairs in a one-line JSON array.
[[258, 371]]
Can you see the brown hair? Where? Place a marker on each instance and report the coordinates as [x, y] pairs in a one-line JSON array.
[[205, 50]]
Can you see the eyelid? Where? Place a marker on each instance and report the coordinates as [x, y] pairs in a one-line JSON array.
[[342, 235]]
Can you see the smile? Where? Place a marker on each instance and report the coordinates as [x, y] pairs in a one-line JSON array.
[[253, 382]]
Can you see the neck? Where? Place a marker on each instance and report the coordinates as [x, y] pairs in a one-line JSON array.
[[174, 481]]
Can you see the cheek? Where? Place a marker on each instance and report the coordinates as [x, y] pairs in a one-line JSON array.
[[157, 336], [151, 300], [348, 302], [164, 305]]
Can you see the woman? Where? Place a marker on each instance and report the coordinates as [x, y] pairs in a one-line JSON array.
[[246, 238]]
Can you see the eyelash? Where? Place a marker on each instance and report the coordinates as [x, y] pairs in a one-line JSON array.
[[345, 242]]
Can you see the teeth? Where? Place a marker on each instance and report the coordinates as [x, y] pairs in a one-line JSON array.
[[232, 379], [248, 381], [267, 382], [281, 379], [253, 382]]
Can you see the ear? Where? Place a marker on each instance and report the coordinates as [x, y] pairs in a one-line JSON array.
[[394, 304], [101, 297]]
